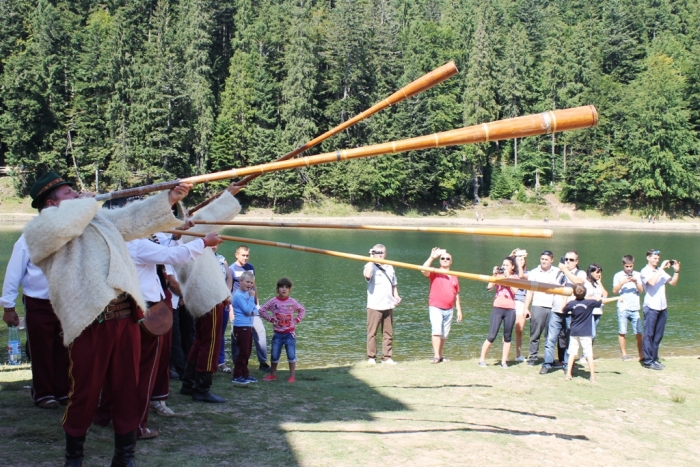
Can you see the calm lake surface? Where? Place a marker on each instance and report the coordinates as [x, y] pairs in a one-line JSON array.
[[334, 293]]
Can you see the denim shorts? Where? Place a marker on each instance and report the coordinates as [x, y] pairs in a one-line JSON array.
[[440, 321], [289, 342], [623, 316]]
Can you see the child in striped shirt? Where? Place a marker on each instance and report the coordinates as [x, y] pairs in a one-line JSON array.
[[284, 323]]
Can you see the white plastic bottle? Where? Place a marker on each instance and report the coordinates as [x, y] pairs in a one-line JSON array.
[[14, 349]]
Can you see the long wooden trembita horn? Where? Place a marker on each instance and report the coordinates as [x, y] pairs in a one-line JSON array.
[[518, 283], [423, 83], [495, 231], [519, 127]]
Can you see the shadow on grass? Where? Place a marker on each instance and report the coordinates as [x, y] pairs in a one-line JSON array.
[[487, 429], [246, 430], [441, 386], [496, 409]]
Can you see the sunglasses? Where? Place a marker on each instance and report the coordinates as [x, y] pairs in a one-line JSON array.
[[444, 258], [570, 260], [547, 253], [656, 252]]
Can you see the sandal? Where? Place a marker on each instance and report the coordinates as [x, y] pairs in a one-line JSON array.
[[443, 359], [223, 368], [435, 360]]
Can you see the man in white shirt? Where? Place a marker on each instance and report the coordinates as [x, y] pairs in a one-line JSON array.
[[382, 297], [541, 303], [569, 276], [628, 283], [655, 279], [44, 333]]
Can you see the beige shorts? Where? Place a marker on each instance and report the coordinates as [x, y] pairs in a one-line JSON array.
[[586, 343]]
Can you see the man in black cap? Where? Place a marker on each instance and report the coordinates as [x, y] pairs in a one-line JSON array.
[[95, 292]]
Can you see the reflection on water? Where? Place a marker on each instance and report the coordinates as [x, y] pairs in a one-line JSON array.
[[333, 289]]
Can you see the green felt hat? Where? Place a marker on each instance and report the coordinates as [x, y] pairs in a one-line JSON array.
[[44, 185]]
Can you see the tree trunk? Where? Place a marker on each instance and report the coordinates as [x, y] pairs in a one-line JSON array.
[[565, 158], [553, 143], [477, 171], [515, 147]]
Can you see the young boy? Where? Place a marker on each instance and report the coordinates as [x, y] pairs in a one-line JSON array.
[[628, 283], [582, 327], [243, 310], [284, 325]]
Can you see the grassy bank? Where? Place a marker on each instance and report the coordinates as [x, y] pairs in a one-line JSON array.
[[413, 414]]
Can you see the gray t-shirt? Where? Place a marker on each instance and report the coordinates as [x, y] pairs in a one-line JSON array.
[[380, 287]]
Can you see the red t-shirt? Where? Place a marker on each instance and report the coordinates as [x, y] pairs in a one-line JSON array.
[[443, 290]]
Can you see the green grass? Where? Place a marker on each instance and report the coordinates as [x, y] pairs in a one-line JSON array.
[[413, 414]]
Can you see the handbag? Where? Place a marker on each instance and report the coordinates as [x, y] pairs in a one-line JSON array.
[[158, 319]]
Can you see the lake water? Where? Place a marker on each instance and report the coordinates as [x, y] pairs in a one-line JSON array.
[[333, 290]]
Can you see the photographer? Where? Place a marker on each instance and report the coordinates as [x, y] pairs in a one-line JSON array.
[[503, 311], [558, 327], [382, 297], [443, 299], [628, 283], [655, 279]]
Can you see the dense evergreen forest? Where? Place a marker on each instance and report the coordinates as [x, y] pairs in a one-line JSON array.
[[128, 92]]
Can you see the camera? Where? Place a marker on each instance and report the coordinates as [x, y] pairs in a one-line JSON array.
[[672, 263], [562, 260], [500, 270]]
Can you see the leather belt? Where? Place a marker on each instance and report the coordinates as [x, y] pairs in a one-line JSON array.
[[119, 308]]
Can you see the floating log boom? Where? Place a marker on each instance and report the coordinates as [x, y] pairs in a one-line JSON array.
[[495, 231]]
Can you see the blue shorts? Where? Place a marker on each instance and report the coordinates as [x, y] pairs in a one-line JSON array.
[[289, 342], [623, 316]]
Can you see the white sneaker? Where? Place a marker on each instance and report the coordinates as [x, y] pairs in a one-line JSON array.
[[162, 409], [520, 359], [371, 361], [389, 361], [583, 361]]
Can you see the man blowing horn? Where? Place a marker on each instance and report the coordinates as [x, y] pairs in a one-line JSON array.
[[95, 293], [205, 293]]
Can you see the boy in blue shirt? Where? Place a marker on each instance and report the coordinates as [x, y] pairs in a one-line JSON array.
[[582, 327]]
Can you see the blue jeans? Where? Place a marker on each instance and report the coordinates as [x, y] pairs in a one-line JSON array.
[[596, 320], [557, 322], [290, 344], [654, 325], [623, 316]]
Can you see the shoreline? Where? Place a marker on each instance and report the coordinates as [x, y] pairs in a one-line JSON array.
[[13, 221]]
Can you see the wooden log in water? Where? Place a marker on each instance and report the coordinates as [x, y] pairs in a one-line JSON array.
[[490, 231]]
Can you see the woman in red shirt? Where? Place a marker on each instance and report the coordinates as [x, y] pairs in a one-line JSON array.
[[503, 311]]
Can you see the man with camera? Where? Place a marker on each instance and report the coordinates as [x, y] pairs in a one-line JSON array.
[[382, 297], [570, 275], [655, 279], [628, 284]]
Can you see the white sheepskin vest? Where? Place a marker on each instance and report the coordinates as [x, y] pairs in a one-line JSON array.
[[202, 284], [81, 250]]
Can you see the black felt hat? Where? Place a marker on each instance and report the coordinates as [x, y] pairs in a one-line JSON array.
[[44, 185]]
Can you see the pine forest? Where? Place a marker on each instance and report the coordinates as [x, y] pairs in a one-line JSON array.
[[118, 93]]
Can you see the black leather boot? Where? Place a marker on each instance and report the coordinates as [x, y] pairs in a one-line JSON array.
[[188, 378], [74, 450], [124, 450], [202, 388]]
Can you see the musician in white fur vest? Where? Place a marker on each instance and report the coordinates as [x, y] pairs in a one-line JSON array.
[[205, 293], [95, 293]]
